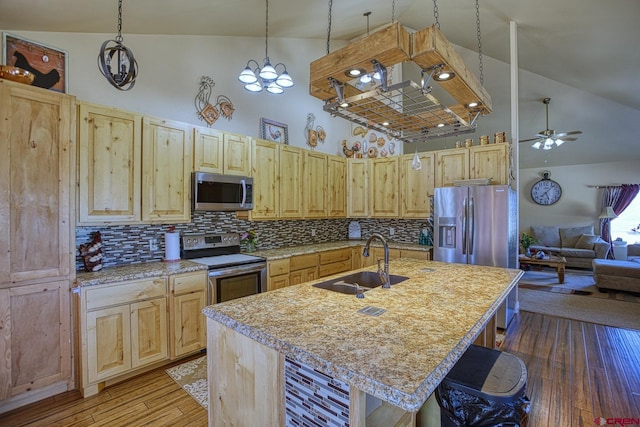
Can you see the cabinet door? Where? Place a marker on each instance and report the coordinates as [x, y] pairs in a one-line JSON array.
[[37, 142], [35, 344], [108, 165], [277, 282], [384, 188], [451, 165], [416, 186], [237, 154], [189, 328], [490, 161], [149, 338], [357, 188], [409, 253], [166, 171], [337, 187], [377, 253], [265, 172], [315, 184], [290, 181], [208, 150], [108, 342]]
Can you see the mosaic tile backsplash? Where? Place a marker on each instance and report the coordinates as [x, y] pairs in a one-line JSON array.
[[129, 244]]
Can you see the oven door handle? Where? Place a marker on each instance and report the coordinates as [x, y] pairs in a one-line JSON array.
[[236, 270]]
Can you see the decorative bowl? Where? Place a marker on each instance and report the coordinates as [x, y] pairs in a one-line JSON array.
[[16, 74]]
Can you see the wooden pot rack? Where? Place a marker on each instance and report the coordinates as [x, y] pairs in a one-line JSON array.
[[412, 112]]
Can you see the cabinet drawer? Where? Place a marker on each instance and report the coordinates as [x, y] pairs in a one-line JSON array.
[[278, 267], [408, 253], [116, 294], [187, 283], [335, 267], [300, 262], [335, 256]]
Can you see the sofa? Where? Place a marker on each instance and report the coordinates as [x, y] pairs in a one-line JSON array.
[[579, 245], [619, 275]]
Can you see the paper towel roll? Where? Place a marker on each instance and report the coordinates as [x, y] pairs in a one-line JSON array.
[[171, 246]]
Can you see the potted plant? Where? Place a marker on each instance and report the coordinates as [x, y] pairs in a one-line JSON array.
[[250, 238], [526, 240]]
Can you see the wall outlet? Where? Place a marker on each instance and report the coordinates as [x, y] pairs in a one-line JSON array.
[[392, 231], [313, 232], [153, 244]]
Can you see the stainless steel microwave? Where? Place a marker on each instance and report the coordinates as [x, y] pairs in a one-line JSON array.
[[216, 192]]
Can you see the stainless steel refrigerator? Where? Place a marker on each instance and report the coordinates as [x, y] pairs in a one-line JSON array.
[[478, 225]]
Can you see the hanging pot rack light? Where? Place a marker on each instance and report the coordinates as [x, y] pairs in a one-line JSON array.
[[116, 61], [413, 114]]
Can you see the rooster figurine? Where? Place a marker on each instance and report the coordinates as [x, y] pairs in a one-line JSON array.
[[313, 133]]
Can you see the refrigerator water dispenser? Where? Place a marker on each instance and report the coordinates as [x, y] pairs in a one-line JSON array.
[[447, 232]]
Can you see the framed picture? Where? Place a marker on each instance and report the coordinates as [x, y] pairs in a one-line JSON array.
[[48, 64], [274, 131]]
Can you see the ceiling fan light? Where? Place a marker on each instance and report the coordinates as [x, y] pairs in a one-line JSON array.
[[559, 142], [537, 145]]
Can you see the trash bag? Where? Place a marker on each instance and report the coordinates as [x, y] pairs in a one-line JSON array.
[[462, 409]]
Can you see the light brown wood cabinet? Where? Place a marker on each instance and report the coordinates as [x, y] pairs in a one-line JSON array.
[[290, 184], [109, 165], [123, 326], [266, 177], [410, 253], [416, 186], [383, 191], [167, 148], [315, 184], [221, 152], [303, 268], [37, 177], [376, 253], [357, 188], [334, 261], [481, 161], [336, 187], [277, 274], [187, 324]]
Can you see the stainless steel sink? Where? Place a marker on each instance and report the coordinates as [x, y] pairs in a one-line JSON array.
[[365, 279]]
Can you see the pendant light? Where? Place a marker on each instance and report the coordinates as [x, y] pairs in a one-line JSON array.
[[416, 164], [116, 61], [255, 79]]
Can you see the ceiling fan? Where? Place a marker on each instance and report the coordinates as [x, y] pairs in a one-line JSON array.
[[546, 138]]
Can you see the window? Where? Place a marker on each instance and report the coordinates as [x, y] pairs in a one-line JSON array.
[[624, 226]]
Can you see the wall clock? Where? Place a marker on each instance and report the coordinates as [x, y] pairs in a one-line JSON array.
[[546, 191]]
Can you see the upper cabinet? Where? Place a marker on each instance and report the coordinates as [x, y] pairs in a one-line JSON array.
[[336, 187], [222, 152], [166, 170], [383, 179], [290, 185], [109, 165], [266, 177], [416, 186], [357, 188], [37, 138], [482, 161], [315, 184]]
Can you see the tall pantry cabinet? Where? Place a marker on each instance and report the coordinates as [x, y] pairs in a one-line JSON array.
[[37, 146]]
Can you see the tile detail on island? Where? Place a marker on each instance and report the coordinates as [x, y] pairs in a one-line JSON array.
[[313, 396]]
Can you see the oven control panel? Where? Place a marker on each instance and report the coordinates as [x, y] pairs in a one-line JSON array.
[[206, 241]]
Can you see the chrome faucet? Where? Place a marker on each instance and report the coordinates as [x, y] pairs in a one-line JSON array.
[[384, 275]]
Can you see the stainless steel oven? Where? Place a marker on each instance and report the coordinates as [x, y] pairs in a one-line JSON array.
[[231, 274]]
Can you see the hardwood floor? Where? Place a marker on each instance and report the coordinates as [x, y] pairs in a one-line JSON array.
[[577, 372]]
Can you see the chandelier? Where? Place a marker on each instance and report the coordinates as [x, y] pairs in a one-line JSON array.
[[256, 79], [116, 61]]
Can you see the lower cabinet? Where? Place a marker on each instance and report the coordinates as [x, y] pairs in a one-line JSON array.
[[335, 261], [277, 274], [303, 268], [188, 296], [129, 325]]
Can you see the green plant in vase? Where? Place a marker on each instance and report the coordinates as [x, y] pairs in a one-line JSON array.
[[526, 240], [250, 239]]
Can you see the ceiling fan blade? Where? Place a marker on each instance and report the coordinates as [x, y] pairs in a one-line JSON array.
[[569, 139], [532, 139], [575, 132]]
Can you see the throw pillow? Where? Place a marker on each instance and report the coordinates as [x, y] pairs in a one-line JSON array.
[[569, 236], [586, 241], [546, 235]]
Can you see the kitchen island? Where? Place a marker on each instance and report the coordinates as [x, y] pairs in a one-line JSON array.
[[271, 355]]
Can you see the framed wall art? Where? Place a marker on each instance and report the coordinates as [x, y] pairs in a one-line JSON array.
[[47, 63], [274, 131]]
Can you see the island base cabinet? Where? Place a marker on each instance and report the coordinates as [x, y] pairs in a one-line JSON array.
[[252, 384]]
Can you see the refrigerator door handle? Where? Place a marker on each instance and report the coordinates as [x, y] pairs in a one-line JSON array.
[[472, 220], [464, 226]]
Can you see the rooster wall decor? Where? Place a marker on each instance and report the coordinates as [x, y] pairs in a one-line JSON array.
[[313, 133], [208, 112]]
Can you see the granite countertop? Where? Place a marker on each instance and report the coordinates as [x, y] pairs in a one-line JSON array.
[[400, 356], [136, 271], [280, 253]]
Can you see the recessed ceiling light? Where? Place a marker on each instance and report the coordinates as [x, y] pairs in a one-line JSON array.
[[440, 125], [443, 76], [354, 72], [344, 104], [473, 104], [385, 123]]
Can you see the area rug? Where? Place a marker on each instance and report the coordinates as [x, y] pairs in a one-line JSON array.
[[192, 377], [577, 299]]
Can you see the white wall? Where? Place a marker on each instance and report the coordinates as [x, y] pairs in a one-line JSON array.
[[580, 203], [170, 69]]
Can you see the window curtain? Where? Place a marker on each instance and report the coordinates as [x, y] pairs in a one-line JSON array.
[[618, 197]]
